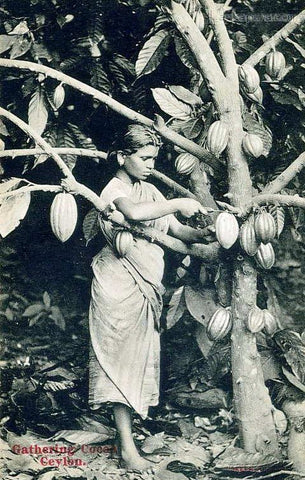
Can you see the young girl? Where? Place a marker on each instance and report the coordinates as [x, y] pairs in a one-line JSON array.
[[126, 298]]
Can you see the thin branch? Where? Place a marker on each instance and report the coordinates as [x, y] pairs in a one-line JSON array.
[[277, 38], [82, 152], [286, 176], [206, 60], [176, 187], [278, 199], [215, 15], [31, 188], [38, 139], [95, 154], [116, 106]]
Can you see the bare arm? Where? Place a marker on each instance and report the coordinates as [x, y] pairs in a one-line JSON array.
[[151, 210], [185, 233]]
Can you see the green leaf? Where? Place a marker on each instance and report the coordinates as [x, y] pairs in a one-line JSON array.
[[80, 437], [185, 54], [46, 300], [10, 184], [176, 309], [20, 46], [33, 310], [58, 317], [185, 95], [200, 303], [170, 104], [91, 225], [37, 112], [65, 138], [251, 125], [152, 53], [99, 78], [6, 41], [12, 211]]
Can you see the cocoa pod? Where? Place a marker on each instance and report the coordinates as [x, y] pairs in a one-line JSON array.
[[227, 229], [59, 96], [123, 242], [278, 214], [265, 256], [247, 237], [265, 227], [249, 78], [275, 64], [217, 137], [219, 324], [256, 96], [255, 320], [63, 216], [252, 145], [185, 163], [270, 323]]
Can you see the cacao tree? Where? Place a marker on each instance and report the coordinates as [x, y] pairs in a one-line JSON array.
[[215, 92]]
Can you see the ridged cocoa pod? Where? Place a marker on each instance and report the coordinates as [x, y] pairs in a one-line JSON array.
[[63, 216], [247, 238], [185, 163], [217, 137], [249, 78], [265, 256], [59, 96], [252, 145], [255, 320], [219, 324], [275, 64], [265, 227], [270, 323], [256, 96], [227, 229], [123, 242]]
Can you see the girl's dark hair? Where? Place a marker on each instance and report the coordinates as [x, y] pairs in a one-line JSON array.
[[135, 137]]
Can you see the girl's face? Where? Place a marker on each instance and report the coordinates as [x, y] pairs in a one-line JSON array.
[[139, 164]]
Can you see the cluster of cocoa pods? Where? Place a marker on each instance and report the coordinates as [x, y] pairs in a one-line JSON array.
[[220, 324], [255, 235], [261, 320]]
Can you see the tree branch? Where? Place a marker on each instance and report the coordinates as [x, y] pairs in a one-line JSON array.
[[277, 38], [31, 188], [215, 16], [95, 154], [277, 199], [116, 106], [38, 139], [286, 176], [206, 60]]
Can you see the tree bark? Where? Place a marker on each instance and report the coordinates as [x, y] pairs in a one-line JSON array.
[[252, 403]]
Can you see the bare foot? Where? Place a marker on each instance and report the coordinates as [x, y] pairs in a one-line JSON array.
[[133, 461]]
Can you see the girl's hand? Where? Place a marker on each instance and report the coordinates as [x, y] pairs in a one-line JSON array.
[[188, 207]]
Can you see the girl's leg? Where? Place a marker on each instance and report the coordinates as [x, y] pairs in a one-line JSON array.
[[129, 452]]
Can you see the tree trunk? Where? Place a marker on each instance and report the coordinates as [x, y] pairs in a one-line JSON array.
[[251, 398]]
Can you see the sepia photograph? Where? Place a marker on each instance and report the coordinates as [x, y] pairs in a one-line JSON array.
[[152, 240]]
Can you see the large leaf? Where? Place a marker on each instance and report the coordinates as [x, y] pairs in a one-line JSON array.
[[99, 78], [37, 112], [185, 54], [10, 184], [176, 309], [6, 41], [81, 437], [20, 46], [203, 342], [58, 317], [200, 303], [12, 211], [171, 105], [152, 53], [185, 95], [65, 138], [91, 225]]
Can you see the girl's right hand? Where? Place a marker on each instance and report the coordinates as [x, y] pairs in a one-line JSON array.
[[189, 207]]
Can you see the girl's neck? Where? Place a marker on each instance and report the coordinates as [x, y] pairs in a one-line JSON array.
[[124, 177]]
